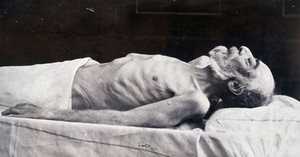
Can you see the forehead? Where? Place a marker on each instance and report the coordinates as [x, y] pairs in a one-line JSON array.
[[263, 81]]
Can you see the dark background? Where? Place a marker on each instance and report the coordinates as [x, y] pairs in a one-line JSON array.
[[40, 31]]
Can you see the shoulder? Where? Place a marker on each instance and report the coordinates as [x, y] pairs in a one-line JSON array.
[[158, 57]]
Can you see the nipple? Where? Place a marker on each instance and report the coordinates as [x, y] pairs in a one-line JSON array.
[[154, 78]]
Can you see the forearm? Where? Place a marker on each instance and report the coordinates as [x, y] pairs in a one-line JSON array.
[[150, 115], [111, 117], [166, 113], [169, 112], [161, 114], [146, 116]]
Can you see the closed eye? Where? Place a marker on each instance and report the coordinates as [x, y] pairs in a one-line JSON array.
[[249, 61]]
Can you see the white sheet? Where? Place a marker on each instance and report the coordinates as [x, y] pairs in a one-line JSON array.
[[49, 85], [41, 84], [272, 131], [266, 131], [44, 138]]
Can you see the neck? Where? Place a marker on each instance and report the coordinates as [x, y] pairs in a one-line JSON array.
[[207, 80]]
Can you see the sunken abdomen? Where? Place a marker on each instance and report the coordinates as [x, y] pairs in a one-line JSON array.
[[138, 83]]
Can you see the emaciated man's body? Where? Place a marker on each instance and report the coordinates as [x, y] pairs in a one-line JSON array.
[[134, 81], [160, 91]]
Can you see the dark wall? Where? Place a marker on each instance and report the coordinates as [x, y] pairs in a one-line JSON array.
[[33, 31]]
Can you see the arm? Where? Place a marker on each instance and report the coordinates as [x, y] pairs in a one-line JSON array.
[[166, 113]]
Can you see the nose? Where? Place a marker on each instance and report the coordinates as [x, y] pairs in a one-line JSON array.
[[245, 51]]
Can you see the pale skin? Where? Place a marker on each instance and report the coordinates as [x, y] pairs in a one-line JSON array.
[[137, 90]]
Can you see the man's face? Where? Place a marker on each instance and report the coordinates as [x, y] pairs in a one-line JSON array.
[[233, 60], [240, 63]]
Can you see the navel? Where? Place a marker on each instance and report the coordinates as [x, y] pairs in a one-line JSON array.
[[155, 78]]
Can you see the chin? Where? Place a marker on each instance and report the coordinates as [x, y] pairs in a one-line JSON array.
[[217, 71], [219, 55], [218, 51], [220, 62]]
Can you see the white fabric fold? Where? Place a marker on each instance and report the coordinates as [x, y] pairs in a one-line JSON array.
[[32, 137], [47, 85], [272, 130]]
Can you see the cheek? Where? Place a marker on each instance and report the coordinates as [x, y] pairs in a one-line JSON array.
[[231, 68], [220, 59], [225, 63]]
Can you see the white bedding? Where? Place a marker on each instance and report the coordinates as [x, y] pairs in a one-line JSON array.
[[265, 131], [46, 85], [273, 130], [44, 138], [49, 85]]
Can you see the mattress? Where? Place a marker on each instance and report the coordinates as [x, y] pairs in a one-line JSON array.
[[272, 130]]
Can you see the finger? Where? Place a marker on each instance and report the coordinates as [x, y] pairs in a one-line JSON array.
[[8, 112]]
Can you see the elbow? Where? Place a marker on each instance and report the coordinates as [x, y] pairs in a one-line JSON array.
[[163, 120], [200, 103], [195, 105]]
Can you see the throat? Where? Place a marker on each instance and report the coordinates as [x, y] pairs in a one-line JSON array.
[[207, 81]]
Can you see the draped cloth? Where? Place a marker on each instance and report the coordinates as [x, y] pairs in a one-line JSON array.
[[271, 130]]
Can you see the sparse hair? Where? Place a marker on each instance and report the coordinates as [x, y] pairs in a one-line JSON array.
[[248, 99]]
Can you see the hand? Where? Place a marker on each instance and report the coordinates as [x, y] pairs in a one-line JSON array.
[[26, 110]]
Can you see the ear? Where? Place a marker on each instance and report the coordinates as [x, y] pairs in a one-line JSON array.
[[236, 87]]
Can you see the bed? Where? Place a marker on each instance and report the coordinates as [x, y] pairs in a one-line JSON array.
[[265, 131], [271, 130]]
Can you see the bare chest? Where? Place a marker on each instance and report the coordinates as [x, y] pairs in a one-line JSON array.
[[136, 83], [141, 83]]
